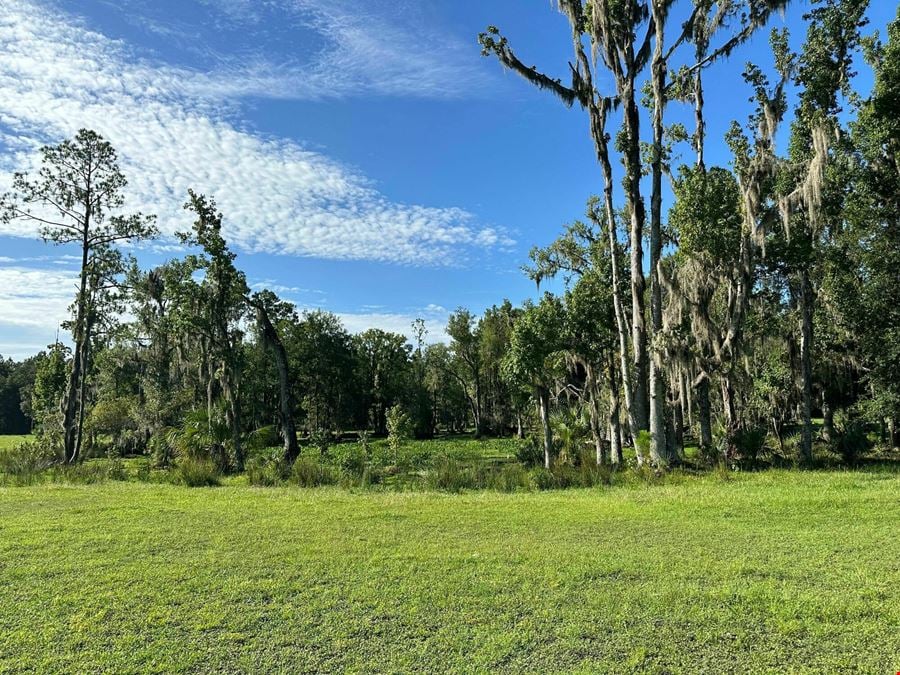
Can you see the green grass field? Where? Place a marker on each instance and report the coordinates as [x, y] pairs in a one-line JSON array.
[[776, 571]]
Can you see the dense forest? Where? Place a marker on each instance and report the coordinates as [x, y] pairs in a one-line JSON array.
[[762, 296]]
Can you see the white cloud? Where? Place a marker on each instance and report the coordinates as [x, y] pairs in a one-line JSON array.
[[171, 127], [33, 302], [396, 322]]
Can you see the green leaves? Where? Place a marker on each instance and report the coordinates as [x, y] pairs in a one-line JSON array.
[[706, 216]]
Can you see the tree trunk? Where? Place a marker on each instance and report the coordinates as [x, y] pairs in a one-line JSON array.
[[827, 420], [704, 414], [776, 429], [82, 387], [806, 345], [593, 391], [232, 396], [639, 399], [618, 310], [687, 407], [544, 408], [615, 438], [286, 408], [70, 409], [659, 453], [728, 407], [70, 404], [678, 420]]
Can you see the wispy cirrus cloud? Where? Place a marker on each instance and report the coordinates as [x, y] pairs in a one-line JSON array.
[[174, 128]]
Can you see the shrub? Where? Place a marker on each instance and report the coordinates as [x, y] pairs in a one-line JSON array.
[[266, 470], [115, 469], [852, 441], [197, 472], [749, 442], [92, 471], [349, 458], [320, 439], [309, 471], [143, 470], [542, 478], [264, 437], [27, 460], [512, 477], [591, 474], [162, 448], [399, 427], [530, 452], [450, 475]]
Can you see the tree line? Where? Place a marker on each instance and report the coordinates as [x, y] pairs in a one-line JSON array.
[[769, 296]]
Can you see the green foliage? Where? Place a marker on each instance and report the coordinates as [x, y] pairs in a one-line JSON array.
[[49, 388], [851, 441], [266, 469], [24, 462], [89, 472], [750, 443], [529, 452], [562, 476], [202, 438], [195, 471], [449, 474], [536, 339], [706, 216], [349, 458], [310, 471], [264, 437], [16, 385], [642, 442], [162, 448], [399, 427]]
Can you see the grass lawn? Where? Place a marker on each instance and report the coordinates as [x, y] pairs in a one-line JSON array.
[[776, 571]]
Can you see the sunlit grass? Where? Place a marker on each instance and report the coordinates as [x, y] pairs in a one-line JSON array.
[[777, 571]]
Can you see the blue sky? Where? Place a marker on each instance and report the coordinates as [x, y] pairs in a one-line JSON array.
[[367, 159]]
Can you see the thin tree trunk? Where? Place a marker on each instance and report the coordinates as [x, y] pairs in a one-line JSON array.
[[544, 407], [806, 345], [593, 391], [601, 144], [827, 420], [678, 419], [615, 438], [82, 388], [658, 445], [621, 326], [704, 414], [728, 407], [70, 405]]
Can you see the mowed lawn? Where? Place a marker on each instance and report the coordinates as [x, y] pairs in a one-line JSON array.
[[772, 572]]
